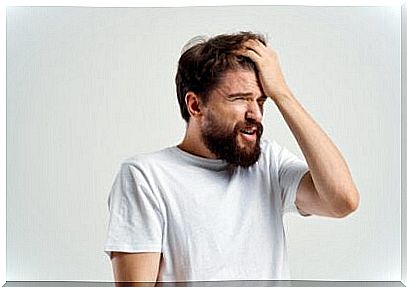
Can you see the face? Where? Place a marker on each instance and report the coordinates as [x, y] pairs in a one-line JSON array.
[[231, 124]]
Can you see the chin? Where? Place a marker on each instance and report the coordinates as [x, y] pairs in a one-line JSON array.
[[246, 145]]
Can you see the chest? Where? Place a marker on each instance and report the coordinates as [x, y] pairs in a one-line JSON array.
[[209, 204]]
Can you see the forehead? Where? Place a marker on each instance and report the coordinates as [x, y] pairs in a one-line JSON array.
[[238, 81]]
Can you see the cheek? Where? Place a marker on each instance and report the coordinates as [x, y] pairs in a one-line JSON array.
[[230, 114], [239, 114], [236, 111]]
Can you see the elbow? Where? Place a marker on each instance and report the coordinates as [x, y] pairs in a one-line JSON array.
[[349, 205]]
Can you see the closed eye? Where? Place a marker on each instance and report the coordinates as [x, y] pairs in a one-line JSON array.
[[261, 101]]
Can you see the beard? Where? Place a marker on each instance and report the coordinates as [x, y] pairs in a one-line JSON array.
[[223, 142]]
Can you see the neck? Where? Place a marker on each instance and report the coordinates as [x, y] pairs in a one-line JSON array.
[[193, 143]]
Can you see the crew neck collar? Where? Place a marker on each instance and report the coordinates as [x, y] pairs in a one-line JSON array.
[[215, 164]]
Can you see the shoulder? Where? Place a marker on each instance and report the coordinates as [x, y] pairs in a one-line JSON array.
[[270, 146], [276, 157], [148, 159], [145, 164], [142, 172], [270, 151]]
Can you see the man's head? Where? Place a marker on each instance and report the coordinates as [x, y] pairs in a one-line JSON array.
[[220, 90], [201, 67]]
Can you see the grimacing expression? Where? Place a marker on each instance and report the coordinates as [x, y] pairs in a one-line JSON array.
[[231, 128]]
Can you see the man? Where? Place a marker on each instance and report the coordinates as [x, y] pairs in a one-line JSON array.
[[211, 208]]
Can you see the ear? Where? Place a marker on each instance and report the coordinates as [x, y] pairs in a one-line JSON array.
[[193, 103]]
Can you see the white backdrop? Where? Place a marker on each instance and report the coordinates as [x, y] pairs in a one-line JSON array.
[[89, 87], [404, 143]]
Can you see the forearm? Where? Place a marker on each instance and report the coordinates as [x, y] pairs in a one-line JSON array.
[[329, 171]]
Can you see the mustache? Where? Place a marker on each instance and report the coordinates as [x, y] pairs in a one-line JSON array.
[[249, 125]]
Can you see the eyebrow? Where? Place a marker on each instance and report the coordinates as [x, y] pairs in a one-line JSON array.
[[245, 95]]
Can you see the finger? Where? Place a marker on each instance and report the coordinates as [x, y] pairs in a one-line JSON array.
[[249, 54], [261, 49], [255, 45], [256, 42]]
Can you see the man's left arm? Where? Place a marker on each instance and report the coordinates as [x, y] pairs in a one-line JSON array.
[[327, 189]]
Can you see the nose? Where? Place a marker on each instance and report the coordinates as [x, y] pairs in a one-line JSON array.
[[254, 112]]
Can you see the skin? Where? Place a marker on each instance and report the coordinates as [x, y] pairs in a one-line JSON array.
[[238, 98], [135, 269], [326, 190]]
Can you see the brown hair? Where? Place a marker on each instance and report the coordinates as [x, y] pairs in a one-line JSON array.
[[201, 66]]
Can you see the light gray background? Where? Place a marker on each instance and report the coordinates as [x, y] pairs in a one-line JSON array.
[[89, 87], [404, 142]]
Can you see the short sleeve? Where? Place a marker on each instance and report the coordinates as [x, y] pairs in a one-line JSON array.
[[290, 172], [135, 223]]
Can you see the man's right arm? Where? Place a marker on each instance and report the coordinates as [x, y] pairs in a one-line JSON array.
[[135, 267]]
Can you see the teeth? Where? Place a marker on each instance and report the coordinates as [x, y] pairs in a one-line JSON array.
[[250, 132]]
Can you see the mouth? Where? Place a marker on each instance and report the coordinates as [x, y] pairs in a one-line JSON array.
[[249, 133]]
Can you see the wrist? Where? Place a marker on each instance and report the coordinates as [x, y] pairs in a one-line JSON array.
[[282, 96]]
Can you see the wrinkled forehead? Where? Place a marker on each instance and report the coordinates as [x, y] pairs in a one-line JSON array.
[[243, 81]]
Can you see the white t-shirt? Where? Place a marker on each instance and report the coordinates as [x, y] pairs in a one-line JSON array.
[[210, 221]]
